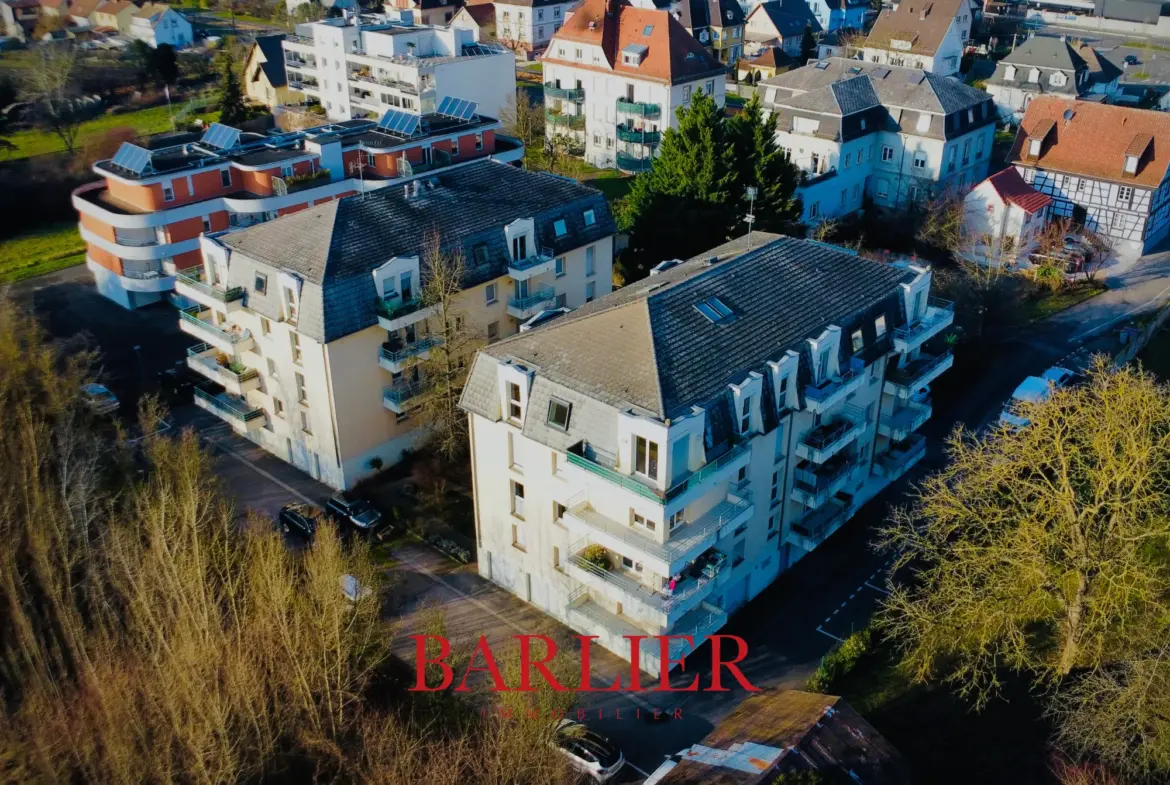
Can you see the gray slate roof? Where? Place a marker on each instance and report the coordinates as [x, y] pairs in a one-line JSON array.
[[646, 345], [334, 247], [790, 17], [273, 65]]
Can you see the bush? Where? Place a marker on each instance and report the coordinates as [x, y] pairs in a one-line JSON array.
[[840, 661], [376, 463], [597, 556]]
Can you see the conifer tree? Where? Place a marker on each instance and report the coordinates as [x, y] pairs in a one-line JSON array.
[[760, 163]]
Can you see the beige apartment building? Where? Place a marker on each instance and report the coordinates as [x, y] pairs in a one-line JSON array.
[[312, 327]]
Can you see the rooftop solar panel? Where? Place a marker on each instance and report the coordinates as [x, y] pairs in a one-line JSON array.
[[399, 123], [221, 137], [132, 158], [458, 108]]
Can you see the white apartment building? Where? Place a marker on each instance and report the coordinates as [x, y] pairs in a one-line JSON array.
[[648, 464], [358, 67], [615, 76], [896, 136], [530, 24], [926, 34], [1105, 167], [311, 328]]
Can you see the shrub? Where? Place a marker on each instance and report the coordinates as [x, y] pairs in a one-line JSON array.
[[376, 463], [596, 555], [840, 661]]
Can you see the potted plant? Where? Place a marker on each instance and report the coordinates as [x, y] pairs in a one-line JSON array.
[[596, 555]]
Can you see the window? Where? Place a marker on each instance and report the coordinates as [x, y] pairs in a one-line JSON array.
[[814, 210], [559, 265], [206, 224], [590, 218], [265, 326], [781, 446], [271, 368], [278, 407], [294, 340], [225, 177], [168, 192], [290, 304], [745, 418], [858, 341], [887, 153], [590, 291], [687, 93], [676, 519], [261, 284], [848, 160], [644, 522], [489, 292], [978, 148], [710, 87], [558, 414], [559, 511], [1125, 195], [879, 326], [302, 393], [493, 331], [560, 228], [775, 487], [514, 411], [306, 425], [590, 261], [919, 160], [646, 457], [517, 499], [286, 170], [519, 541]]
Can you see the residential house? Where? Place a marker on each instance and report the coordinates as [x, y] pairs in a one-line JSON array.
[[142, 221], [331, 5], [19, 18], [319, 316], [926, 34], [615, 76], [156, 23], [766, 64], [362, 70], [479, 18], [840, 14], [1002, 216], [54, 7], [529, 25], [779, 23], [114, 16], [651, 462], [716, 24], [79, 12], [895, 136], [427, 12], [1049, 66], [1104, 166], [265, 80], [777, 735]]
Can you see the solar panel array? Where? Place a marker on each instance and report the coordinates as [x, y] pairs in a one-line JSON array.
[[457, 108], [221, 137], [399, 123], [132, 158]]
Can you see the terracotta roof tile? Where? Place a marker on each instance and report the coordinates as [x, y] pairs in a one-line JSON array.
[[1095, 140], [1010, 185], [924, 23]]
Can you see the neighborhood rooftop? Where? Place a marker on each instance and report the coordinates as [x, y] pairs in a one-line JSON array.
[[915, 27]]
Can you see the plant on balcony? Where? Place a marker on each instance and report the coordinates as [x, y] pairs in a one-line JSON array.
[[298, 181], [596, 555]]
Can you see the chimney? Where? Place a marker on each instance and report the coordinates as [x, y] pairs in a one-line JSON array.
[[414, 188], [925, 12], [611, 8]]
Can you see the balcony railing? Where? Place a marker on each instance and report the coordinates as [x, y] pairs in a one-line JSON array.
[[633, 163], [424, 344], [639, 108], [830, 433], [575, 94], [575, 121], [401, 392], [194, 278], [395, 307], [902, 454], [538, 257], [815, 479], [820, 524], [144, 275], [828, 388], [705, 471], [236, 408], [439, 159], [299, 39], [233, 370], [908, 376], [231, 336], [655, 600], [638, 136], [938, 312], [604, 465], [540, 295]]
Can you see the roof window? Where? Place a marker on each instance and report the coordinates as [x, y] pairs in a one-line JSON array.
[[714, 309], [560, 227], [590, 218], [649, 29]]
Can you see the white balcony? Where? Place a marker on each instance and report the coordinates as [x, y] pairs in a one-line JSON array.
[[235, 378], [901, 457], [813, 485], [815, 528], [542, 261], [899, 425], [939, 316], [826, 440], [228, 338], [538, 298], [906, 381], [190, 283], [394, 313], [396, 357], [233, 410], [401, 395], [820, 398]]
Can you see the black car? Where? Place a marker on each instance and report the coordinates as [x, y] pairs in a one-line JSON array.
[[355, 512], [298, 517]]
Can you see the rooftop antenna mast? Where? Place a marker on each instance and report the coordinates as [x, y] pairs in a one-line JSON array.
[[359, 165], [751, 216]]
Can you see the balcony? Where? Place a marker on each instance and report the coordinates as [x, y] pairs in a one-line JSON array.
[[939, 315], [191, 283], [820, 398], [814, 485], [574, 94], [398, 397], [394, 313], [235, 377], [901, 457], [229, 339], [542, 260], [829, 438], [909, 379], [899, 425], [232, 409], [396, 356], [575, 122], [588, 617], [539, 298], [439, 160], [633, 163], [638, 136], [639, 109], [815, 528]]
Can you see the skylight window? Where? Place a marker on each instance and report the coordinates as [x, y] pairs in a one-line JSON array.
[[590, 218], [714, 309], [558, 414], [560, 228], [649, 29]]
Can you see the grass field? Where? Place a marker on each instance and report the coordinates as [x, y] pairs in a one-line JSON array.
[[145, 121], [1045, 306], [40, 252]]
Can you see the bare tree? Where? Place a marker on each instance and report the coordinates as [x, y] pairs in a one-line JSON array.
[[51, 90], [524, 120]]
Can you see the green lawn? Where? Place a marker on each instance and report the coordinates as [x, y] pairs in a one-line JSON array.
[[1147, 45], [256, 20], [40, 252], [145, 121], [1049, 304]]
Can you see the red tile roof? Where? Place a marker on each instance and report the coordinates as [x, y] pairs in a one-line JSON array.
[[1010, 186], [1093, 141]]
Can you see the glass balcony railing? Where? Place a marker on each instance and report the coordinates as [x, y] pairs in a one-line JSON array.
[[229, 405], [639, 108], [816, 479], [574, 94], [561, 120], [234, 335], [241, 373], [538, 257], [633, 163], [541, 295], [401, 392], [909, 375], [403, 353], [830, 387], [605, 465], [638, 135], [194, 278], [395, 307], [938, 312]]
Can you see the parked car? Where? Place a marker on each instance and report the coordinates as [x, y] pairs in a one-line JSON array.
[[349, 510], [99, 399], [353, 589], [1130, 60], [587, 751], [544, 317], [1034, 389], [298, 517], [177, 384]]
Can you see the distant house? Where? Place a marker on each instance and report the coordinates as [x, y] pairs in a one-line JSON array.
[[1049, 66], [716, 24], [779, 23], [1002, 216], [54, 7], [776, 733], [926, 34], [427, 12], [114, 15], [265, 81], [157, 23], [79, 12], [839, 14], [480, 18], [766, 64], [19, 17]]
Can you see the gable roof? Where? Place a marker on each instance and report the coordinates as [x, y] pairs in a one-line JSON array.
[[788, 17], [699, 14], [1094, 140], [1045, 52], [1010, 186], [647, 345], [482, 14], [114, 7], [923, 23], [673, 54], [335, 246], [772, 57], [271, 58]]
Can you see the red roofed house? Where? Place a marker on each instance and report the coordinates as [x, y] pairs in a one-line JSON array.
[[1104, 166], [614, 75], [1002, 215]]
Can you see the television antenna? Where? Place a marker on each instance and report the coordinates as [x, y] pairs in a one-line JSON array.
[[359, 165], [751, 216]]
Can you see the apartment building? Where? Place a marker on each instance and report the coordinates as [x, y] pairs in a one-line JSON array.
[[926, 34], [529, 25], [312, 329], [427, 12], [1049, 66], [141, 222], [615, 76], [896, 136], [358, 66], [1104, 166], [649, 463]]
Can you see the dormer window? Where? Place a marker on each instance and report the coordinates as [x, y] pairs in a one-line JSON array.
[[515, 411], [1057, 79], [745, 419], [634, 54], [1131, 164], [646, 457], [1034, 75], [1034, 147], [1009, 74], [560, 227]]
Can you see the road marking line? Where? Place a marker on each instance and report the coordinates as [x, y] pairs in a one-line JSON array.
[[851, 596], [1111, 322], [843, 604], [831, 635], [875, 588], [826, 621]]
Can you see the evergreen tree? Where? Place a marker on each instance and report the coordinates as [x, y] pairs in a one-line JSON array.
[[232, 110], [808, 45], [166, 64], [761, 163], [685, 203]]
